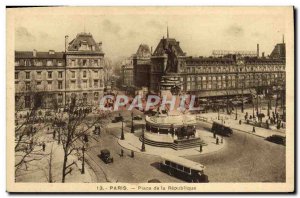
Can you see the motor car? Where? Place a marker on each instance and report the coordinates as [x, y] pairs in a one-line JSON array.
[[105, 156], [277, 139]]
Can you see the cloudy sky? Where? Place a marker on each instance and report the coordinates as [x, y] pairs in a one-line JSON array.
[[198, 32]]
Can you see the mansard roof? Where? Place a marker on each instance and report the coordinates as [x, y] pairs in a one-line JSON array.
[[278, 51], [143, 51], [87, 39], [164, 43]]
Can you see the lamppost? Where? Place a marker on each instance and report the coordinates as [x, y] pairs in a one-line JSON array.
[[132, 128], [143, 139], [122, 132], [82, 168], [218, 112], [236, 112], [242, 99]]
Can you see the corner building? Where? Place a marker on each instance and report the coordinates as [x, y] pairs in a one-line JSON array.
[[55, 76]]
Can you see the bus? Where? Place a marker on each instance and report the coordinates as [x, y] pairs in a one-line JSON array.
[[182, 168], [221, 129]]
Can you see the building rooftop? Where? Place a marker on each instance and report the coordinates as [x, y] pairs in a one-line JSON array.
[[278, 51], [164, 44], [85, 42], [143, 51]]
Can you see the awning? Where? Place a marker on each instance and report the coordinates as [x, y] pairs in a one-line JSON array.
[[203, 94]]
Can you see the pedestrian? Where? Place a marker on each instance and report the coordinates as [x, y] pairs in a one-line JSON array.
[[54, 134], [200, 148], [221, 140], [253, 130], [44, 146], [217, 141], [240, 122], [132, 154], [122, 153], [214, 134]]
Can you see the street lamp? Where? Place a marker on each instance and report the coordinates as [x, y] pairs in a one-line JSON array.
[[132, 128], [122, 132], [242, 99], [218, 112], [82, 168], [143, 139], [236, 112]]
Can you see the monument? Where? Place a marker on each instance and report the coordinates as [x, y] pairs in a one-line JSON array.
[[171, 128]]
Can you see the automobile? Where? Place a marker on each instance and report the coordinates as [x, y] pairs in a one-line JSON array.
[[105, 156], [278, 139], [221, 129], [137, 117]]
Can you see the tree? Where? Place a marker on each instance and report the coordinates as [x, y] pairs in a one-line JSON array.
[[74, 124], [28, 125]]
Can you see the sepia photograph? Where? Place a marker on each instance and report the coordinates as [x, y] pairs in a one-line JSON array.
[[150, 99]]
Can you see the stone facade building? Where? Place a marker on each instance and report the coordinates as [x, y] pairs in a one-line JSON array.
[[55, 76], [229, 74]]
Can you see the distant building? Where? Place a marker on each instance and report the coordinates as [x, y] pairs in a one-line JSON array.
[[230, 74], [55, 76], [142, 66], [127, 73]]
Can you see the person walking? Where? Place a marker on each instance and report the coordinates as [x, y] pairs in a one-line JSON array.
[[132, 154], [217, 141], [253, 130], [44, 146], [200, 148]]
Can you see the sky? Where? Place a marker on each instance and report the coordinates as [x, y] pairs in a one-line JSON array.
[[198, 32]]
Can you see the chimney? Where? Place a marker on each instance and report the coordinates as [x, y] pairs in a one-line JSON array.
[[34, 53], [100, 45], [263, 54], [257, 53], [66, 42]]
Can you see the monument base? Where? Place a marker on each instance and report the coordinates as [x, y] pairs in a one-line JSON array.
[[166, 140]]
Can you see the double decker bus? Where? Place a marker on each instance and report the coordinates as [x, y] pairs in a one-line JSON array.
[[182, 168]]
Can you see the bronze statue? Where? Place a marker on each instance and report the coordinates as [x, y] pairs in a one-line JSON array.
[[172, 61]]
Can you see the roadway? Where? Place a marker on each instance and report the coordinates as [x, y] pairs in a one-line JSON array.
[[246, 158]]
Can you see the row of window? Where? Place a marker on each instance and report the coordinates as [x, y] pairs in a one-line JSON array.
[[213, 69], [48, 85], [47, 102], [84, 62], [39, 75], [50, 74], [178, 166], [35, 62], [233, 77], [208, 85]]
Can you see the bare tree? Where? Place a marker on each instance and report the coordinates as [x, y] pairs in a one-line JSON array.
[[74, 126], [28, 124]]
